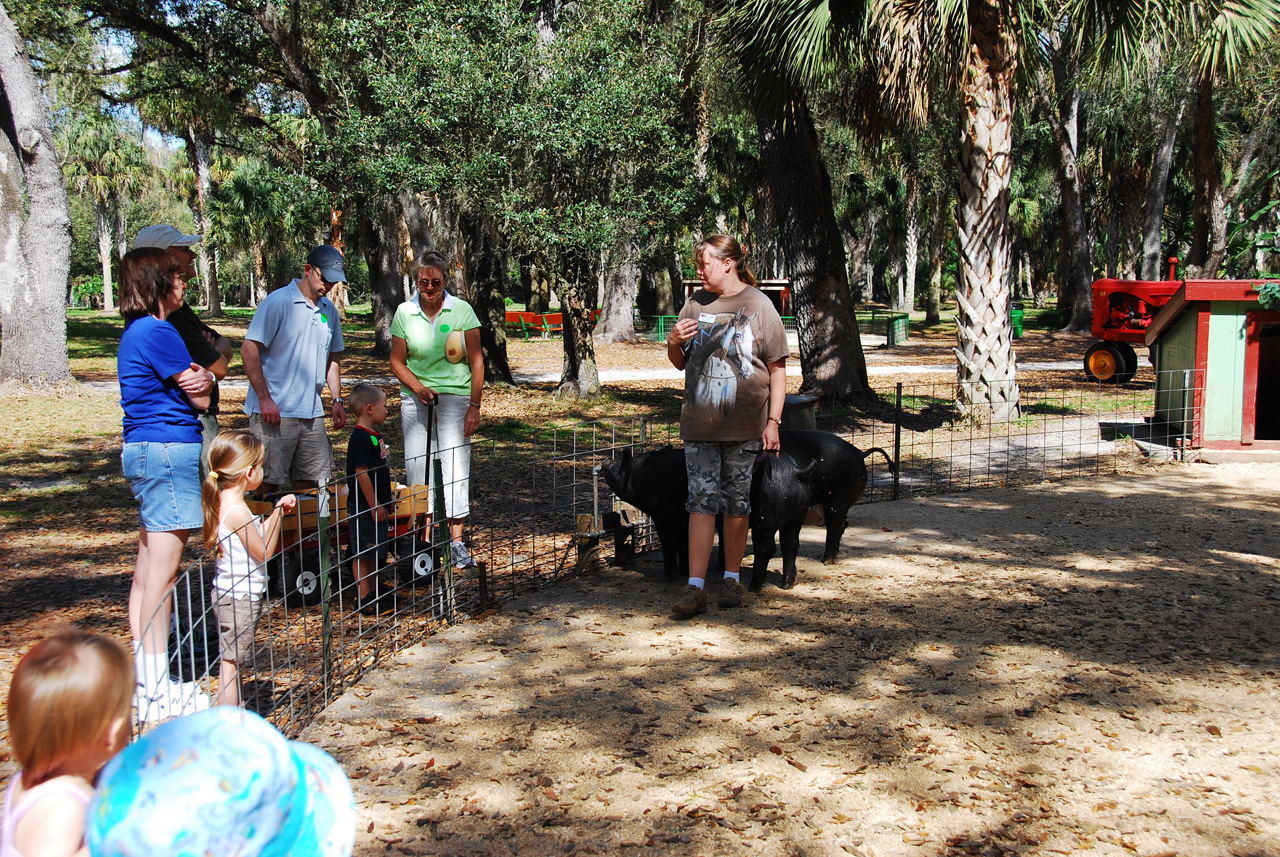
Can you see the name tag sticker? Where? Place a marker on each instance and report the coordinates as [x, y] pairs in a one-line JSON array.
[[706, 318]]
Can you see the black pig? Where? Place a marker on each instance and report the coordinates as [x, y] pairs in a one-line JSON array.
[[815, 468], [656, 483]]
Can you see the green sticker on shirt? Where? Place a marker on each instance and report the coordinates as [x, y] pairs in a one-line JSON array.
[[324, 318], [444, 328], [374, 439]]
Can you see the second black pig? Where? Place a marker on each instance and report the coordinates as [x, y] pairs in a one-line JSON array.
[[814, 468]]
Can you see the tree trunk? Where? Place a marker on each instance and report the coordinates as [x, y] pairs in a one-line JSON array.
[[539, 284], [380, 240], [102, 214], [986, 371], [486, 274], [1225, 198], [617, 321], [861, 271], [198, 156], [1157, 188], [35, 251], [831, 358], [1207, 179], [580, 377], [1064, 124]]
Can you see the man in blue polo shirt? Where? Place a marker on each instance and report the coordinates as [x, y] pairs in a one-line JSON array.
[[290, 353]]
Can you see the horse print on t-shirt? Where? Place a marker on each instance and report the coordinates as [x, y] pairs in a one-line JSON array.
[[725, 350]]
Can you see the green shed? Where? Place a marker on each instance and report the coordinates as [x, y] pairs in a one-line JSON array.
[[1216, 354]]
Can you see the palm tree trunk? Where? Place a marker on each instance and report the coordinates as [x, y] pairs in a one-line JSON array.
[[986, 372], [937, 246], [104, 251], [831, 358], [198, 154], [259, 284], [911, 242]]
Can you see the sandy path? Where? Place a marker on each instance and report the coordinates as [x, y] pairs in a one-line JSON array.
[[1080, 666]]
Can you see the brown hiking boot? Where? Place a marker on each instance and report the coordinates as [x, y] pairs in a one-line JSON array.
[[692, 601], [731, 594]]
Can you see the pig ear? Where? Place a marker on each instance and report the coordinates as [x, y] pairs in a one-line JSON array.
[[626, 456]]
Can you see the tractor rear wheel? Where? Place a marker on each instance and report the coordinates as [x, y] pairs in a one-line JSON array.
[[1104, 362]]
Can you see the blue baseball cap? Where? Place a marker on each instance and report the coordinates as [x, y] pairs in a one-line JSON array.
[[328, 260], [222, 781]]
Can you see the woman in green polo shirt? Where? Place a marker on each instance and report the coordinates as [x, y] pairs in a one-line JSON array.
[[419, 334]]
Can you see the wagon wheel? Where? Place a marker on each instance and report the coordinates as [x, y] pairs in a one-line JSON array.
[[1104, 362], [1130, 364]]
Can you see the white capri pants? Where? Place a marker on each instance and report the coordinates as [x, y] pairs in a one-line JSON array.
[[448, 446]]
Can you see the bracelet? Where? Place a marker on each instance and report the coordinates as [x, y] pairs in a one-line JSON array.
[[776, 420], [475, 405], [337, 400]]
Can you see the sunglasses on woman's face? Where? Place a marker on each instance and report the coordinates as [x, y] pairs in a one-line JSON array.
[[424, 283]]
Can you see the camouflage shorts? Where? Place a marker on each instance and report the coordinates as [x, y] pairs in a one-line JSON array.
[[720, 475]]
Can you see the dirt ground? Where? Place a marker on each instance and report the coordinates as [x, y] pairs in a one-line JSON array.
[[1084, 666], [1078, 666]]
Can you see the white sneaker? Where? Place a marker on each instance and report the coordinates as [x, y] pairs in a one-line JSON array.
[[461, 558]]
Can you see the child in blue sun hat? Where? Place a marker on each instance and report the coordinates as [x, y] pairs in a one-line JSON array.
[[224, 782]]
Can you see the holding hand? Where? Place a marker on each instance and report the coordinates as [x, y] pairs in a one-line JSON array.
[[427, 396], [287, 503], [196, 380], [685, 329]]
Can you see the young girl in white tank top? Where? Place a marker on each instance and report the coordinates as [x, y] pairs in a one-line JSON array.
[[243, 545], [69, 706]]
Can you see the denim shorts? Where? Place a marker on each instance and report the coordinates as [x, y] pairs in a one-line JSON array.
[[165, 478]]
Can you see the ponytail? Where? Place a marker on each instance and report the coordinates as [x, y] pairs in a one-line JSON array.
[[726, 247], [231, 455]]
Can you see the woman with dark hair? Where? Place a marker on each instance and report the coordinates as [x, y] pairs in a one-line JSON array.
[[435, 352], [161, 390]]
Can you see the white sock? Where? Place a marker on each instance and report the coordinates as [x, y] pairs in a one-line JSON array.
[[699, 582], [153, 670], [731, 575]]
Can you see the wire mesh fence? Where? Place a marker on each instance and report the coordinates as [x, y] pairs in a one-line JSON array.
[[540, 510]]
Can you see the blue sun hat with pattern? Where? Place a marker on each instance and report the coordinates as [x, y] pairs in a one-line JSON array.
[[222, 782]]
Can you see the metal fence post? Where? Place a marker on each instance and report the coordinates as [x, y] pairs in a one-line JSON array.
[[897, 440], [441, 537], [326, 593]]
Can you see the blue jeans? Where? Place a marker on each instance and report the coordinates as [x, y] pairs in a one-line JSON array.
[[165, 478]]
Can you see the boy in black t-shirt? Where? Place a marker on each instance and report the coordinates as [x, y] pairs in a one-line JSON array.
[[369, 500]]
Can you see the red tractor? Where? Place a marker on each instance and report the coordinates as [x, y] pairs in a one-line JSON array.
[[1122, 312]]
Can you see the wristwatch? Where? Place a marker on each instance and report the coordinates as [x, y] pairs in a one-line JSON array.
[[337, 400]]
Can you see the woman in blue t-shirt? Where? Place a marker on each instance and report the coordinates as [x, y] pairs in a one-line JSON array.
[[161, 390]]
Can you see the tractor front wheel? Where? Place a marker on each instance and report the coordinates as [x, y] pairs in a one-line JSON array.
[[1130, 365], [1104, 362]]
